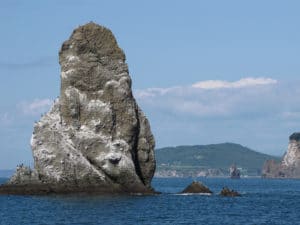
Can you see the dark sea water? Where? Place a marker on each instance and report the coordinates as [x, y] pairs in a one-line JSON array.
[[262, 202]]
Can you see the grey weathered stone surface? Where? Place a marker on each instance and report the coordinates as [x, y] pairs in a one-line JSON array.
[[289, 167], [95, 134]]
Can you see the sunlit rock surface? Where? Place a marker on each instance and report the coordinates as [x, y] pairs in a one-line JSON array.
[[95, 134]]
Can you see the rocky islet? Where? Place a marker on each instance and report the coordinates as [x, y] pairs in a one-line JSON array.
[[95, 137], [196, 188]]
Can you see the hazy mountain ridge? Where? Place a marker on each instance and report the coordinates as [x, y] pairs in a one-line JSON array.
[[209, 160]]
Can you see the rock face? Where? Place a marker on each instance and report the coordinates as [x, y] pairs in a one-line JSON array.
[[95, 134], [289, 167], [196, 188]]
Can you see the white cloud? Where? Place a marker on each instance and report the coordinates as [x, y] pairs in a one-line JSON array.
[[201, 109], [248, 82], [35, 107], [291, 115], [246, 98], [242, 83], [152, 92]]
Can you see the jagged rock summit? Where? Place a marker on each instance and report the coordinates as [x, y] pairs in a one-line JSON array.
[[95, 134], [289, 167]]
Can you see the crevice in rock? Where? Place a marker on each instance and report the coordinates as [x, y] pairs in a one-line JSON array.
[[98, 168], [135, 148]]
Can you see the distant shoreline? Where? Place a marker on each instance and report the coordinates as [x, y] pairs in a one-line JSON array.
[[228, 177]]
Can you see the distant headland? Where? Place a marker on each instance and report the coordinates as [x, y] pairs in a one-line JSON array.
[[289, 167]]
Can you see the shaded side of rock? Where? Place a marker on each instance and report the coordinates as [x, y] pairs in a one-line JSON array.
[[272, 169], [196, 188], [57, 189]]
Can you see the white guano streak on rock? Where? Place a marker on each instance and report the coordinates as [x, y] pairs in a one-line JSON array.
[[86, 133], [98, 105], [32, 140], [46, 153], [72, 58], [64, 74], [82, 96]]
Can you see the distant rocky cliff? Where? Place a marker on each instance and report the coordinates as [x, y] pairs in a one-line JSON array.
[[289, 167], [95, 134]]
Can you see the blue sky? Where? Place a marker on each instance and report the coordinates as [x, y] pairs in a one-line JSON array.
[[203, 71]]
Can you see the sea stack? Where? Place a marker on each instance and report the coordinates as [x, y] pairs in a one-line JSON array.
[[234, 172], [95, 137], [289, 167]]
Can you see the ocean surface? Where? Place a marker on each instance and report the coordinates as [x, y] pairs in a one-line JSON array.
[[262, 202]]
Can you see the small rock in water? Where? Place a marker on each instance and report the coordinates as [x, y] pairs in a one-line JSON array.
[[196, 188], [229, 193]]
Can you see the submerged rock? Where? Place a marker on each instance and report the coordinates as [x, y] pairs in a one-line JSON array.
[[226, 192], [289, 167], [196, 188], [95, 134]]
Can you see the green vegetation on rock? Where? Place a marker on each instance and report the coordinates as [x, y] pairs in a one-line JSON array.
[[295, 137]]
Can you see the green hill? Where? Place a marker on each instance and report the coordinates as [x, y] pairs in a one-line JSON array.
[[209, 160]]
